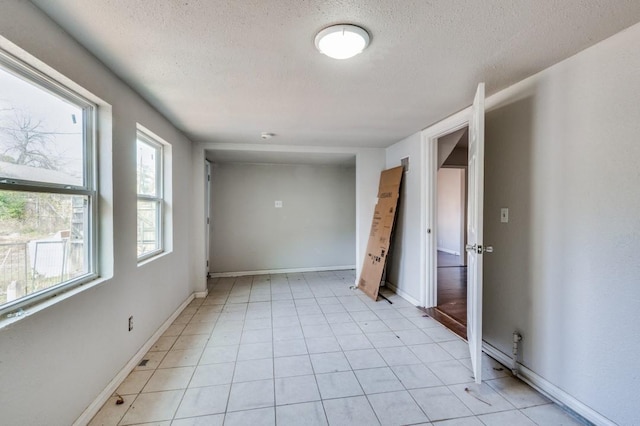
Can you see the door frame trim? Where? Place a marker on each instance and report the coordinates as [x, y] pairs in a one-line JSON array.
[[429, 219]]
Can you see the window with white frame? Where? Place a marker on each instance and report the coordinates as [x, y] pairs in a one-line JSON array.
[[150, 196], [47, 187]]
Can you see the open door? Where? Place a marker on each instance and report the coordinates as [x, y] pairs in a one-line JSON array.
[[475, 247]]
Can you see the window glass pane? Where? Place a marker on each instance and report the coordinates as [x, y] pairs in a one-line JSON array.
[[42, 241], [41, 135], [148, 219], [147, 169]]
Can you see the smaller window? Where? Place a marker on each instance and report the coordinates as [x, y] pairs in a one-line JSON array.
[[150, 196]]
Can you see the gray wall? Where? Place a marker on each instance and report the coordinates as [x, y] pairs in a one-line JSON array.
[[314, 228], [562, 153], [55, 362]]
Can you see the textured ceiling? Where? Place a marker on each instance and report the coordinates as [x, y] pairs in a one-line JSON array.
[[226, 70]]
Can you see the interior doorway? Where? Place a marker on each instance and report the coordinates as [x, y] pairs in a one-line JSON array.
[[451, 231]]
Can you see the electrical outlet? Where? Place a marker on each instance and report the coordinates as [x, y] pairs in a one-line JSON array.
[[131, 323], [278, 204]]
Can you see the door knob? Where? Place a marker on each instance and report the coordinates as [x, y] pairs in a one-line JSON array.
[[478, 248]]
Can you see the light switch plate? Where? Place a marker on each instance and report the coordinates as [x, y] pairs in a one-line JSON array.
[[278, 204], [504, 215]]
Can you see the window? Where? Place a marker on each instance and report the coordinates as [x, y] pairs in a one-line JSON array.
[[47, 187], [150, 196]]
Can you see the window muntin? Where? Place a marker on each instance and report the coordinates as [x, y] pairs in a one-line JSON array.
[[47, 187], [150, 207]]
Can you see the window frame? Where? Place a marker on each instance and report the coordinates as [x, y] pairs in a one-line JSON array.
[[146, 137], [89, 188]]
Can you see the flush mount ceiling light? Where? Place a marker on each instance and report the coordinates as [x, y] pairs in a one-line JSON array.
[[342, 41]]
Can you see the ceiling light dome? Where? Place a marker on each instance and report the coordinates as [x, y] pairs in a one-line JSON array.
[[342, 41]]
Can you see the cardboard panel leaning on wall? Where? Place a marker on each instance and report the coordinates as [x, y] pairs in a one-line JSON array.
[[382, 223]]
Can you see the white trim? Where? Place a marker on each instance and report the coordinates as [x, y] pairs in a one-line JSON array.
[[430, 137], [445, 250], [100, 400], [405, 296], [281, 271], [548, 389], [201, 294]]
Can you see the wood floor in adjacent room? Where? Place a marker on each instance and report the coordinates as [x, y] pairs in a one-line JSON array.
[[306, 349]]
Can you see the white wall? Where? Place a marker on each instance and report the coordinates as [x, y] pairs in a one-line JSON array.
[[562, 153], [54, 362], [450, 209], [406, 258], [315, 228]]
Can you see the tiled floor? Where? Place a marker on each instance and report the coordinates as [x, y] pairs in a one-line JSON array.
[[305, 349]]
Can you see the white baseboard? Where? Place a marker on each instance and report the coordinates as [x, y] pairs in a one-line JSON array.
[[402, 294], [95, 406], [548, 389], [201, 294], [281, 271], [444, 250]]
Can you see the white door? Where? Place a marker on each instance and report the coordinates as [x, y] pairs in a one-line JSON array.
[[475, 246], [207, 210]]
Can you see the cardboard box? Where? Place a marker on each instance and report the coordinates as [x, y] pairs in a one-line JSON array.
[[381, 229]]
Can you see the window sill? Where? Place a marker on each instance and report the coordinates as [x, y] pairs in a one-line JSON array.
[[153, 257], [53, 300]]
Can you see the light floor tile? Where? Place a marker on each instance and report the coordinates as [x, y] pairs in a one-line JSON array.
[[416, 376], [398, 356], [258, 417], [169, 379], [378, 380], [293, 390], [338, 385], [396, 408], [511, 418], [462, 421], [134, 382], [431, 352], [289, 347], [291, 415], [330, 362], [481, 398], [439, 403], [255, 351], [354, 342], [213, 420], [153, 407], [413, 337], [263, 337], [204, 401], [255, 336], [252, 370], [317, 345], [250, 395], [181, 358], [451, 372], [299, 365], [212, 374], [111, 413], [219, 354], [517, 392], [365, 358], [151, 360], [550, 415], [350, 411]]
